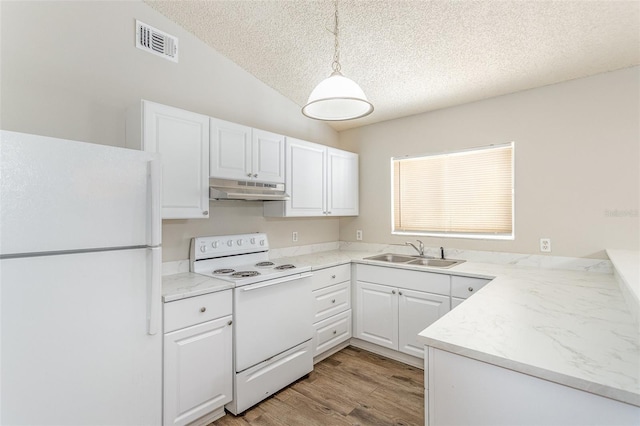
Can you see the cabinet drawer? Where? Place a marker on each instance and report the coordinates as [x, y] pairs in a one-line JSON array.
[[328, 276], [464, 287], [331, 332], [331, 300], [195, 310], [404, 278]]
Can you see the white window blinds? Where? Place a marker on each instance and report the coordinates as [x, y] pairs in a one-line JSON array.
[[461, 194]]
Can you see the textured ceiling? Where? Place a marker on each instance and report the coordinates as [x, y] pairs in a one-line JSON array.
[[416, 56]]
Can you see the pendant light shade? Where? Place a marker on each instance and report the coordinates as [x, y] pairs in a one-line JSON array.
[[337, 98]]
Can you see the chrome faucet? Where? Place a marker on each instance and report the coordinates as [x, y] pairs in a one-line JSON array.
[[442, 253], [419, 249]]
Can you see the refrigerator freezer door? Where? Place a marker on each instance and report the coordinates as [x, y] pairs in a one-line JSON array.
[[58, 195], [75, 343]]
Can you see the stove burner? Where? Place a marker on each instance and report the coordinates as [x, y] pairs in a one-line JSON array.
[[245, 274], [224, 271], [287, 266], [265, 264]]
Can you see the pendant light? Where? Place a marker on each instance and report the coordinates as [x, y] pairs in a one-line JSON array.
[[337, 98]]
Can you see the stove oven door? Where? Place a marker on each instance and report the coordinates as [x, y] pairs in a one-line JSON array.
[[271, 317]]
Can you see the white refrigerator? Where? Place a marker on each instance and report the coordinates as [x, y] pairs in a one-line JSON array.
[[80, 284]]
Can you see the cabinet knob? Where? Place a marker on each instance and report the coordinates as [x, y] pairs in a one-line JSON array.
[[393, 292], [333, 277], [230, 322], [400, 293], [333, 301], [470, 289], [203, 309], [328, 212], [248, 174], [206, 212], [335, 332]]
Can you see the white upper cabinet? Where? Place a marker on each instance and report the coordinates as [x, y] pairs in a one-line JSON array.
[[321, 181], [342, 183], [182, 139], [239, 152]]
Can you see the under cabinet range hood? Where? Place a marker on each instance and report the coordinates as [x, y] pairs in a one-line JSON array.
[[222, 189]]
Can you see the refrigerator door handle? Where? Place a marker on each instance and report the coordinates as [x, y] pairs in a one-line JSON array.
[[155, 201], [154, 287]]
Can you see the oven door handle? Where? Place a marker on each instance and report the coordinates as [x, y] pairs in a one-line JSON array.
[[276, 282]]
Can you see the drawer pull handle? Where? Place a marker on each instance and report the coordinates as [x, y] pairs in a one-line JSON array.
[[333, 300], [230, 322], [470, 288], [393, 292], [333, 277], [203, 309], [335, 332]]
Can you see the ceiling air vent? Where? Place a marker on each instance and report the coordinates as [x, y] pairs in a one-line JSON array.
[[157, 42]]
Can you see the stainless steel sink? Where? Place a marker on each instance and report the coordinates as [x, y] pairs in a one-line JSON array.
[[415, 260], [390, 257], [436, 263]]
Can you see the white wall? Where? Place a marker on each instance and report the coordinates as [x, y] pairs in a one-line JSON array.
[[577, 158], [71, 69]]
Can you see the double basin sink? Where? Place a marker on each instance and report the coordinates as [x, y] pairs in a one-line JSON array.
[[415, 260]]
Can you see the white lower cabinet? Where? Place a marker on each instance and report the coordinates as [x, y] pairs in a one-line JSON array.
[[391, 316], [197, 358], [332, 308]]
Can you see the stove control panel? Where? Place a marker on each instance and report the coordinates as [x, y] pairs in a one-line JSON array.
[[227, 245]]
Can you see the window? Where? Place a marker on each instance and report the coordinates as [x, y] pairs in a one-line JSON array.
[[466, 194]]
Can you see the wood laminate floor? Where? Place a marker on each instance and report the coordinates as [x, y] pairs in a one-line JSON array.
[[352, 387]]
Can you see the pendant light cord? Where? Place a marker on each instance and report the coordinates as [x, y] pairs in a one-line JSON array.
[[336, 55]]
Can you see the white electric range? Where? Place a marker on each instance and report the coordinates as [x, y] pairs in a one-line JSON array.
[[273, 310]]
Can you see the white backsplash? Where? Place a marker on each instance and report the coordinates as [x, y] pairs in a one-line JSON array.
[[516, 259]]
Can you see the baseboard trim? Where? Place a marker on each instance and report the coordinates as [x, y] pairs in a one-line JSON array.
[[389, 353]]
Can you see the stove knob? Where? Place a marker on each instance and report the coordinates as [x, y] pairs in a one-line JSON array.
[[214, 244], [203, 249], [239, 242], [253, 241], [230, 243], [261, 242]]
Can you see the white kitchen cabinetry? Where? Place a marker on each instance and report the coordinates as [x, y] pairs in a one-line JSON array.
[[464, 287], [197, 358], [321, 181], [182, 139], [394, 305], [239, 152], [332, 309]]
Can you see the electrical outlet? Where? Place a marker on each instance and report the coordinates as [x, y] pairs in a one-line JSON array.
[[545, 245], [359, 235], [294, 236]]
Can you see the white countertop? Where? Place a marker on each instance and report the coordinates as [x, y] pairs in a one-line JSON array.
[[570, 327], [187, 284]]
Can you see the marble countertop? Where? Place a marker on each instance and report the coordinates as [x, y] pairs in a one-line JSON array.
[[187, 284], [566, 326]]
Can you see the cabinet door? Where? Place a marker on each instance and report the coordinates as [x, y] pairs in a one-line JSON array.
[[182, 139], [230, 150], [377, 314], [342, 183], [304, 178], [417, 310], [197, 371], [267, 157]]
